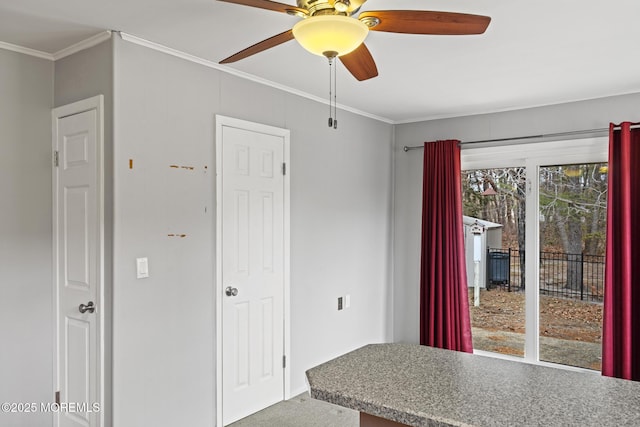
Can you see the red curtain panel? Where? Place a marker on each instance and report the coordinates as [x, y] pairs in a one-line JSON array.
[[444, 304], [621, 317]]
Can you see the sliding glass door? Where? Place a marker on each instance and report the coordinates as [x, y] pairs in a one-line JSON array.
[[572, 227], [534, 233], [494, 206]]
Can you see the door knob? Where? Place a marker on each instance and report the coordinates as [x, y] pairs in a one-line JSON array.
[[88, 307], [231, 291]]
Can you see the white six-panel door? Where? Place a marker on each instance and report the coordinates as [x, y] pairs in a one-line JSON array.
[[253, 270], [77, 267]]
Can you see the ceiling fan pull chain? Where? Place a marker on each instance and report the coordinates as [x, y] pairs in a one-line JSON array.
[[335, 97], [330, 111], [333, 90]]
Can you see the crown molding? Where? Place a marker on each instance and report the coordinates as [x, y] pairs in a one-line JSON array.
[[26, 51], [192, 58], [84, 44], [74, 48]]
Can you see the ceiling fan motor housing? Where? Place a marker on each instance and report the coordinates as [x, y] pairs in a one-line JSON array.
[[330, 7]]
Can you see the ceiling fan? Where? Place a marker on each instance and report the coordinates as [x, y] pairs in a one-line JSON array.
[[331, 28]]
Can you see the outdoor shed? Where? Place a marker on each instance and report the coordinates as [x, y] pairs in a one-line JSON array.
[[491, 238]]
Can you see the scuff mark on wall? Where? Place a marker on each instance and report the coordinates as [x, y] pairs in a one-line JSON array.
[[182, 167]]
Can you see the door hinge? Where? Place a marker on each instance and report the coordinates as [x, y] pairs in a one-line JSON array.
[[56, 160], [284, 169], [284, 361], [57, 397]]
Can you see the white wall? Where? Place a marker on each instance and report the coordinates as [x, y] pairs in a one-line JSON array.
[[584, 115], [26, 332], [164, 331]]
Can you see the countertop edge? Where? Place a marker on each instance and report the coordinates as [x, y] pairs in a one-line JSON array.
[[384, 411]]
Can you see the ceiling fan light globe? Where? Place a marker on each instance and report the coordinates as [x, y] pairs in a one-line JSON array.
[[330, 33]]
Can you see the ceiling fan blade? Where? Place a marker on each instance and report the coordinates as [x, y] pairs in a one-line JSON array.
[[360, 63], [269, 5], [427, 22], [259, 47]]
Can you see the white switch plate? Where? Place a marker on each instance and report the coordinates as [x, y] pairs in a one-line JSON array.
[[142, 268], [347, 301]]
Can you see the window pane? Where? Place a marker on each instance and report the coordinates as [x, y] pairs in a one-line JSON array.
[[572, 244], [494, 200]]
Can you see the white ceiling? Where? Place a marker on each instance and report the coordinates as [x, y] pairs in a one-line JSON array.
[[533, 53]]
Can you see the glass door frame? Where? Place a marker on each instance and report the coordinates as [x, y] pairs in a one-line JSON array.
[[532, 156]]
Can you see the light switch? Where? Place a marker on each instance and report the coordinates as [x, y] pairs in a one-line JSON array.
[[347, 301], [142, 268]]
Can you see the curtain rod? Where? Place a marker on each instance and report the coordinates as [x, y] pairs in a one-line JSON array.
[[548, 135]]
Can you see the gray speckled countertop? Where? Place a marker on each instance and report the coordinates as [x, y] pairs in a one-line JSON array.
[[425, 386]]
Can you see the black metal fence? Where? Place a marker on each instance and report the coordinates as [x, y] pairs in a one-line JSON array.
[[577, 276]]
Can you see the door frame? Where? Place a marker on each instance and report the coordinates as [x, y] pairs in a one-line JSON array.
[[221, 122], [94, 103]]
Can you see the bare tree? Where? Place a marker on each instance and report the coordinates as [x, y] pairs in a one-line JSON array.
[[574, 198]]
